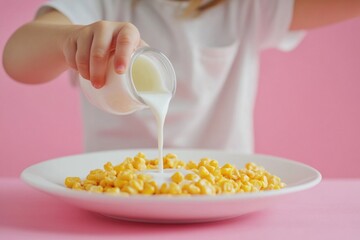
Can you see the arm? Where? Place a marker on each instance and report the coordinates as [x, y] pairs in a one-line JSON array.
[[310, 14], [44, 48], [33, 54]]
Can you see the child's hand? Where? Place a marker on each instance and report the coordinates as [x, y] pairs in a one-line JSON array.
[[88, 48]]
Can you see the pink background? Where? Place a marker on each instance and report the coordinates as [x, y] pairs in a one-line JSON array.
[[307, 109]]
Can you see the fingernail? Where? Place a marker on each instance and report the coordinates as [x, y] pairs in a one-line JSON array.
[[96, 85], [120, 69]]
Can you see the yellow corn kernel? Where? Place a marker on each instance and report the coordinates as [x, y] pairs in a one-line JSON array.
[[154, 162], [185, 188], [139, 162], [226, 171], [120, 183], [127, 160], [238, 185], [203, 172], [128, 166], [126, 175], [154, 184], [119, 168], [202, 182], [259, 175], [144, 177], [96, 189], [193, 189], [214, 163], [192, 177], [138, 185], [77, 186], [205, 187], [210, 168], [87, 181], [235, 175], [191, 165], [69, 181], [109, 181], [250, 173], [177, 177], [164, 189], [111, 173], [228, 165], [235, 184], [244, 178], [228, 187], [246, 188], [113, 190], [179, 164], [275, 180], [102, 183], [174, 189], [96, 176], [210, 178], [88, 186], [169, 163], [207, 190], [217, 172], [128, 189], [108, 166], [219, 178], [250, 166], [276, 187], [151, 167], [139, 166], [149, 189], [141, 155], [171, 155], [204, 162], [264, 182], [256, 183]]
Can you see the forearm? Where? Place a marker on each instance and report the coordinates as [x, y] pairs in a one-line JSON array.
[[41, 50], [310, 14], [34, 52]]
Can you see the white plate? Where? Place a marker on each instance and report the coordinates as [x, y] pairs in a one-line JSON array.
[[49, 177]]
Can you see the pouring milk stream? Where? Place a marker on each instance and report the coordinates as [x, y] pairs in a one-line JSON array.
[[149, 82]]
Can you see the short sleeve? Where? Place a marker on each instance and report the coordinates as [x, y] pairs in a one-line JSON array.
[[78, 11], [274, 17]]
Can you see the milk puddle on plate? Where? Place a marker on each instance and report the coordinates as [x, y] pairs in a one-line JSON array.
[[150, 87]]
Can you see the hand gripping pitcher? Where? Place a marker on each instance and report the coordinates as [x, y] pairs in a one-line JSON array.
[[149, 71]]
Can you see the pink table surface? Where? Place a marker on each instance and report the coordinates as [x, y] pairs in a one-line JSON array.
[[331, 210]]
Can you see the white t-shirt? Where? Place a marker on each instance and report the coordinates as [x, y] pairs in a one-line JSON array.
[[216, 59]]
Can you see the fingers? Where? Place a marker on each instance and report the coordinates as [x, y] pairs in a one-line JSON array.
[[99, 56], [127, 41], [82, 55], [88, 49]]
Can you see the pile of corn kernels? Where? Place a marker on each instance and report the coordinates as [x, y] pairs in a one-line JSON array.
[[204, 178]]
